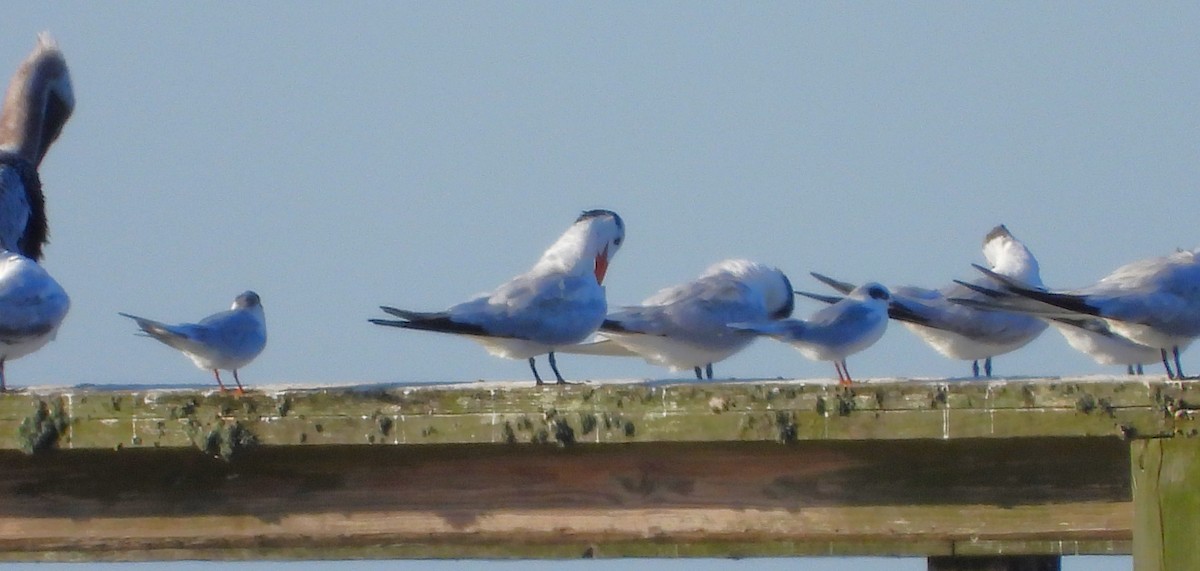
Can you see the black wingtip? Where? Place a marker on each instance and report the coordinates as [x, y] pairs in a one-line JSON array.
[[440, 324], [901, 312], [982, 290], [830, 299], [987, 271], [392, 311], [388, 322], [614, 326], [841, 286], [1066, 301], [1097, 326], [975, 304]]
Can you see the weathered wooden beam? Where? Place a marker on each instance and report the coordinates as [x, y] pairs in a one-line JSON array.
[[914, 497], [614, 469], [607, 413], [1166, 493]]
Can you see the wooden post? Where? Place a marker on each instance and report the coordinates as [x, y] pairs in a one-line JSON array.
[[1166, 499], [996, 563]]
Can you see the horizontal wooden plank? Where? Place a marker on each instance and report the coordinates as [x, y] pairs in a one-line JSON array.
[[908, 497], [1026, 466], [897, 547], [602, 413]]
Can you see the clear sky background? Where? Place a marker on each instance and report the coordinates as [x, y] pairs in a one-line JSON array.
[[334, 157]]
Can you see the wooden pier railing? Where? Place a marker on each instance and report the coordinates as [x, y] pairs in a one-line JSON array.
[[1005, 474]]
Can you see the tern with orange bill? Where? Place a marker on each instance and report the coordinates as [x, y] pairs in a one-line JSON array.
[[560, 301]]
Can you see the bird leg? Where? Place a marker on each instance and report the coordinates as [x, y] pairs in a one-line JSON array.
[[1179, 368], [241, 391], [533, 367], [554, 367], [3, 388], [699, 374], [1139, 369], [1166, 364], [843, 373], [708, 370], [1129, 370], [975, 368], [217, 374], [987, 367]]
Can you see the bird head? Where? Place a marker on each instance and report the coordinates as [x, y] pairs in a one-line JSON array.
[[1007, 255]]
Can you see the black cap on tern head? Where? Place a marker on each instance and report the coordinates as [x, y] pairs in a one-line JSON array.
[[601, 212]]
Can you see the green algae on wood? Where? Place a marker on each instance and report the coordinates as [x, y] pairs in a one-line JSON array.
[[42, 429], [1166, 495], [586, 414]]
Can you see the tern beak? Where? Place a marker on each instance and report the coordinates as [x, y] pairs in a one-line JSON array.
[[601, 264]]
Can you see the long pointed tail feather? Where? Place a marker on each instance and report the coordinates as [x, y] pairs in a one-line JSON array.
[[838, 285], [434, 322], [900, 312], [413, 315], [830, 299], [602, 347], [1066, 301]]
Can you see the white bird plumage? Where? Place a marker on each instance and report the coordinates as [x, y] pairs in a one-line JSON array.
[[1094, 338], [960, 332], [32, 307], [226, 340], [1153, 302], [834, 333], [558, 302], [687, 326]]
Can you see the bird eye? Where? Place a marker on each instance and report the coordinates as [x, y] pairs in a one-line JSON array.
[[877, 293], [618, 241]]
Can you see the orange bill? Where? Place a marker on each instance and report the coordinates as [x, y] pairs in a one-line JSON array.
[[601, 265]]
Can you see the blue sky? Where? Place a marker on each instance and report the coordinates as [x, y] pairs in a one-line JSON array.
[[336, 157]]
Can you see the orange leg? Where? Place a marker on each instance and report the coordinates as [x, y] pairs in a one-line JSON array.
[[844, 380], [241, 391], [217, 374]]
